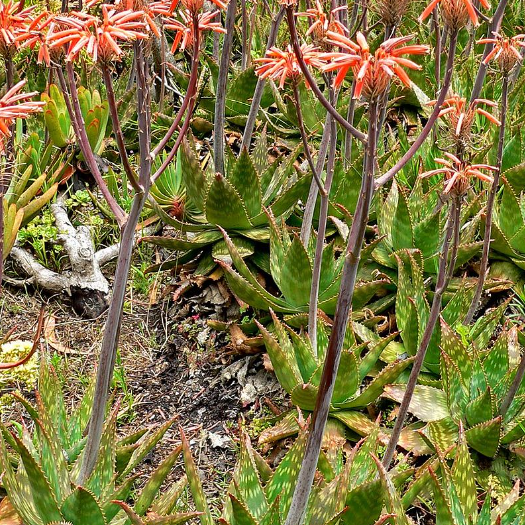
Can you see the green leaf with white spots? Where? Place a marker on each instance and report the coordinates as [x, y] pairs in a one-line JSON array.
[[195, 484], [485, 437], [193, 176], [464, 479], [225, 207], [245, 180], [80, 508], [296, 274]]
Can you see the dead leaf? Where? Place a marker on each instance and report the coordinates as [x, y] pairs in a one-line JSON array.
[[8, 515], [51, 338]]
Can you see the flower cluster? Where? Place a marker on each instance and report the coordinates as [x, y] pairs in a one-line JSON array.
[[13, 105], [373, 71], [506, 51], [460, 117], [101, 30], [321, 23], [14, 20], [456, 13], [281, 65], [458, 173]]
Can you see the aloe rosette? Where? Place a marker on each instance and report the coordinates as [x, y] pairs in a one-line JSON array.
[[290, 264], [235, 202], [474, 382], [41, 470], [361, 377], [348, 489]]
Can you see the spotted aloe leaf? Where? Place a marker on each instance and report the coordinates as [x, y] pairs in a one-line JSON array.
[[193, 176], [464, 478], [375, 388], [245, 180], [195, 485], [80, 507], [103, 473], [33, 485], [427, 404], [485, 437], [480, 409], [296, 274], [145, 446], [224, 205], [281, 485], [365, 503], [283, 361]]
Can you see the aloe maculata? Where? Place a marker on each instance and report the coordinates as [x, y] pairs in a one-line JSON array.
[[414, 220], [290, 265], [475, 382], [298, 369], [41, 469], [236, 203], [455, 494], [345, 493]]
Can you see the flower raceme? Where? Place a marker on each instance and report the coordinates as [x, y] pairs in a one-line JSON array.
[[373, 71], [13, 105], [321, 23], [458, 173], [506, 51], [455, 12], [281, 65], [14, 19], [461, 116], [184, 28]]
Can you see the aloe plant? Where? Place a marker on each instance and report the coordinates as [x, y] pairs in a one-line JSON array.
[[41, 469], [298, 369], [235, 203], [290, 265], [475, 382], [345, 493], [414, 220], [456, 499], [95, 113]]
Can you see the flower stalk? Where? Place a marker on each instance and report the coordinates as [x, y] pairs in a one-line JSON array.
[[108, 349], [335, 345], [490, 206], [220, 105], [392, 172], [312, 83]]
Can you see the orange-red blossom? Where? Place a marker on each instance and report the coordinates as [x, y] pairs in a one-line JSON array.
[[100, 37], [15, 105], [506, 51], [13, 20], [279, 64], [322, 22], [458, 173], [373, 71], [455, 9]]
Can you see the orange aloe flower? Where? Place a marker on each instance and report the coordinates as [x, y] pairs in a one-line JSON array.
[[506, 50], [100, 37], [184, 27], [321, 22], [15, 105], [40, 34], [461, 116], [458, 173], [373, 72], [13, 20], [280, 64], [455, 12]]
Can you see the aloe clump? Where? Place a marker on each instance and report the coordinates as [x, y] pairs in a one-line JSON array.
[[235, 202], [299, 370], [475, 381], [41, 469], [348, 490], [290, 265]]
